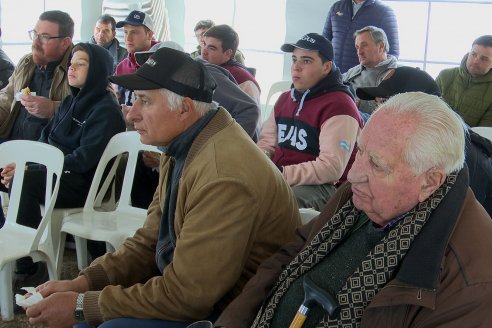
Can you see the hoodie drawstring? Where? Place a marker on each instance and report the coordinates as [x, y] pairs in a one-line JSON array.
[[301, 103]]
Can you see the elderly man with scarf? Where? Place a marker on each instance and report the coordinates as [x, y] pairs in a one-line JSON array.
[[311, 132], [404, 243]]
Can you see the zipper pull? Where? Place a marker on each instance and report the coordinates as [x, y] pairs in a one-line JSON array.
[[419, 294]]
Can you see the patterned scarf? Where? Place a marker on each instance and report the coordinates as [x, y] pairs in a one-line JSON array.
[[377, 269]]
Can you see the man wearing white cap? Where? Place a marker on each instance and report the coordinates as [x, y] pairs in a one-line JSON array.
[[139, 32]]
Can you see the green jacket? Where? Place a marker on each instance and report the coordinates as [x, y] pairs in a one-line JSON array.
[[470, 96], [233, 210], [9, 107]]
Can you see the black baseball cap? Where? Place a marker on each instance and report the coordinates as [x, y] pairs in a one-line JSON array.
[[404, 79], [311, 41], [137, 18], [142, 56], [173, 70]]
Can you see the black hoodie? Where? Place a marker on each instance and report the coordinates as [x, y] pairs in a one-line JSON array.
[[88, 118]]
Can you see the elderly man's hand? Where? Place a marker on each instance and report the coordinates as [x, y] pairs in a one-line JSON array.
[[79, 285], [151, 158], [7, 174], [51, 287], [38, 106], [55, 311]]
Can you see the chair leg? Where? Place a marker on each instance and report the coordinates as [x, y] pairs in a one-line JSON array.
[[6, 296], [109, 248], [60, 249], [81, 249]]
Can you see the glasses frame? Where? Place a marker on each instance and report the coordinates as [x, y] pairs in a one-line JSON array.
[[43, 38]]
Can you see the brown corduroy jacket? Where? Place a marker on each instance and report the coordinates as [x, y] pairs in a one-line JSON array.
[[233, 210], [445, 280]]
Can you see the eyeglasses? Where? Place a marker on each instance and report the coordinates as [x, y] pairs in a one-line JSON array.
[[43, 38]]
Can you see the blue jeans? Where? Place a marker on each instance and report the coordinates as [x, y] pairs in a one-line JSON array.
[[140, 323]]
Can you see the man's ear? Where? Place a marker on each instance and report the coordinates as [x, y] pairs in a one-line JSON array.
[[432, 180], [327, 66], [186, 109], [66, 42], [381, 46], [150, 35], [228, 53]]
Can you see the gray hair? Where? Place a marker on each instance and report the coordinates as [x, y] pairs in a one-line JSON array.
[[174, 101], [439, 139], [377, 34]]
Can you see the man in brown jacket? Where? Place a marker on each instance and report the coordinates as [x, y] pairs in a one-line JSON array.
[[404, 243], [44, 72], [220, 209]]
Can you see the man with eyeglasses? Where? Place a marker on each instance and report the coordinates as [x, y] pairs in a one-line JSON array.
[[468, 88], [44, 72]]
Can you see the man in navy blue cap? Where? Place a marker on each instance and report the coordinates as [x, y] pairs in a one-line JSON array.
[[311, 132], [139, 33], [220, 209], [139, 36]]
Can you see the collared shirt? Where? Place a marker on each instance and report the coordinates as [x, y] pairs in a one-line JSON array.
[[356, 6], [27, 126]]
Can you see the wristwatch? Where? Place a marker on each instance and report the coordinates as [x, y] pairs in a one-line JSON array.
[[78, 314]]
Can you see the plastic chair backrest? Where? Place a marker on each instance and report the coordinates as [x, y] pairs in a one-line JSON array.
[[279, 86], [484, 131], [22, 152], [121, 143]]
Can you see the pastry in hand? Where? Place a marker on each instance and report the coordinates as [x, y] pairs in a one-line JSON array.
[[26, 91]]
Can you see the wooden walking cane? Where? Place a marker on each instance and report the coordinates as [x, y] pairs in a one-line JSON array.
[[314, 295]]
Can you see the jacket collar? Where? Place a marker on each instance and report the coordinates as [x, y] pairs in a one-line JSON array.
[[220, 121], [419, 276], [422, 264]]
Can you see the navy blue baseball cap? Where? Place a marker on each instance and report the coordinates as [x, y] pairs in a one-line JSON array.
[[137, 18], [313, 42]]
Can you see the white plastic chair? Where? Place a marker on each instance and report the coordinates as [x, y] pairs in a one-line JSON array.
[[17, 241], [5, 198], [307, 214], [276, 87], [484, 131], [115, 226]]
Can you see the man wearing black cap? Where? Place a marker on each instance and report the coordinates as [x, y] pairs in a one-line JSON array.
[[220, 209], [311, 132]]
